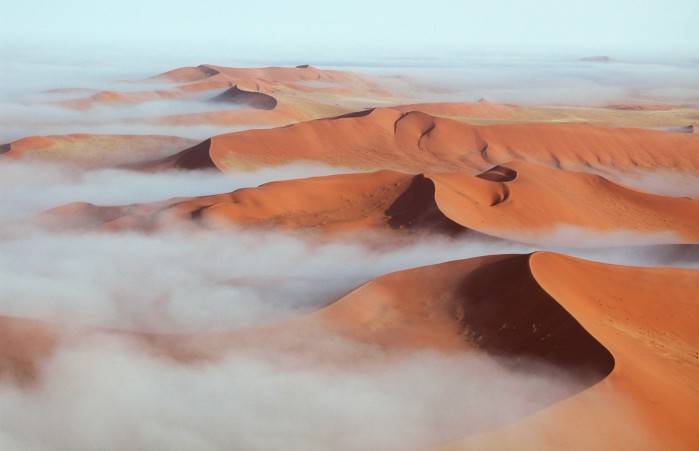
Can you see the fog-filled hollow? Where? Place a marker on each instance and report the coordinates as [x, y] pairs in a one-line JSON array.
[[204, 280]]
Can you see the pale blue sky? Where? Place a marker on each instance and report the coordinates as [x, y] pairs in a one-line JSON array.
[[356, 28]]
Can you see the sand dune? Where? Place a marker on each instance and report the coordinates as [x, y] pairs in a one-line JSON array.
[[416, 142], [256, 96], [632, 114], [645, 318], [333, 203], [519, 201], [542, 307], [278, 74], [94, 151]]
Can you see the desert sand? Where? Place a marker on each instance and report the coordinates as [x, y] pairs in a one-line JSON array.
[[384, 138], [519, 201], [621, 339]]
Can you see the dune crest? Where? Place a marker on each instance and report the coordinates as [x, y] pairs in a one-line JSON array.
[[275, 73], [519, 201], [384, 138]]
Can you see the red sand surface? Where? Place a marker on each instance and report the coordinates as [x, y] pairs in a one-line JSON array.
[[414, 142], [518, 200]]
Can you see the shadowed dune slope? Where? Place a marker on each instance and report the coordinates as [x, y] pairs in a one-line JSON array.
[[239, 96], [519, 201], [646, 318], [516, 318], [415, 142]]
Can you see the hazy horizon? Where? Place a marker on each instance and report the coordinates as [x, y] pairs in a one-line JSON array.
[[272, 30]]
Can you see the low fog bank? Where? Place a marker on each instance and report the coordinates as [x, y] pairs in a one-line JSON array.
[[559, 81], [663, 182], [103, 391], [23, 194], [40, 118], [199, 280], [28, 104], [198, 131]]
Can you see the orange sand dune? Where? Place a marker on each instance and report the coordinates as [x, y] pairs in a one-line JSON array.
[[628, 333], [524, 201], [94, 151], [334, 203], [416, 142], [519, 201], [646, 318], [638, 115], [284, 95], [289, 74], [623, 115], [325, 86]]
